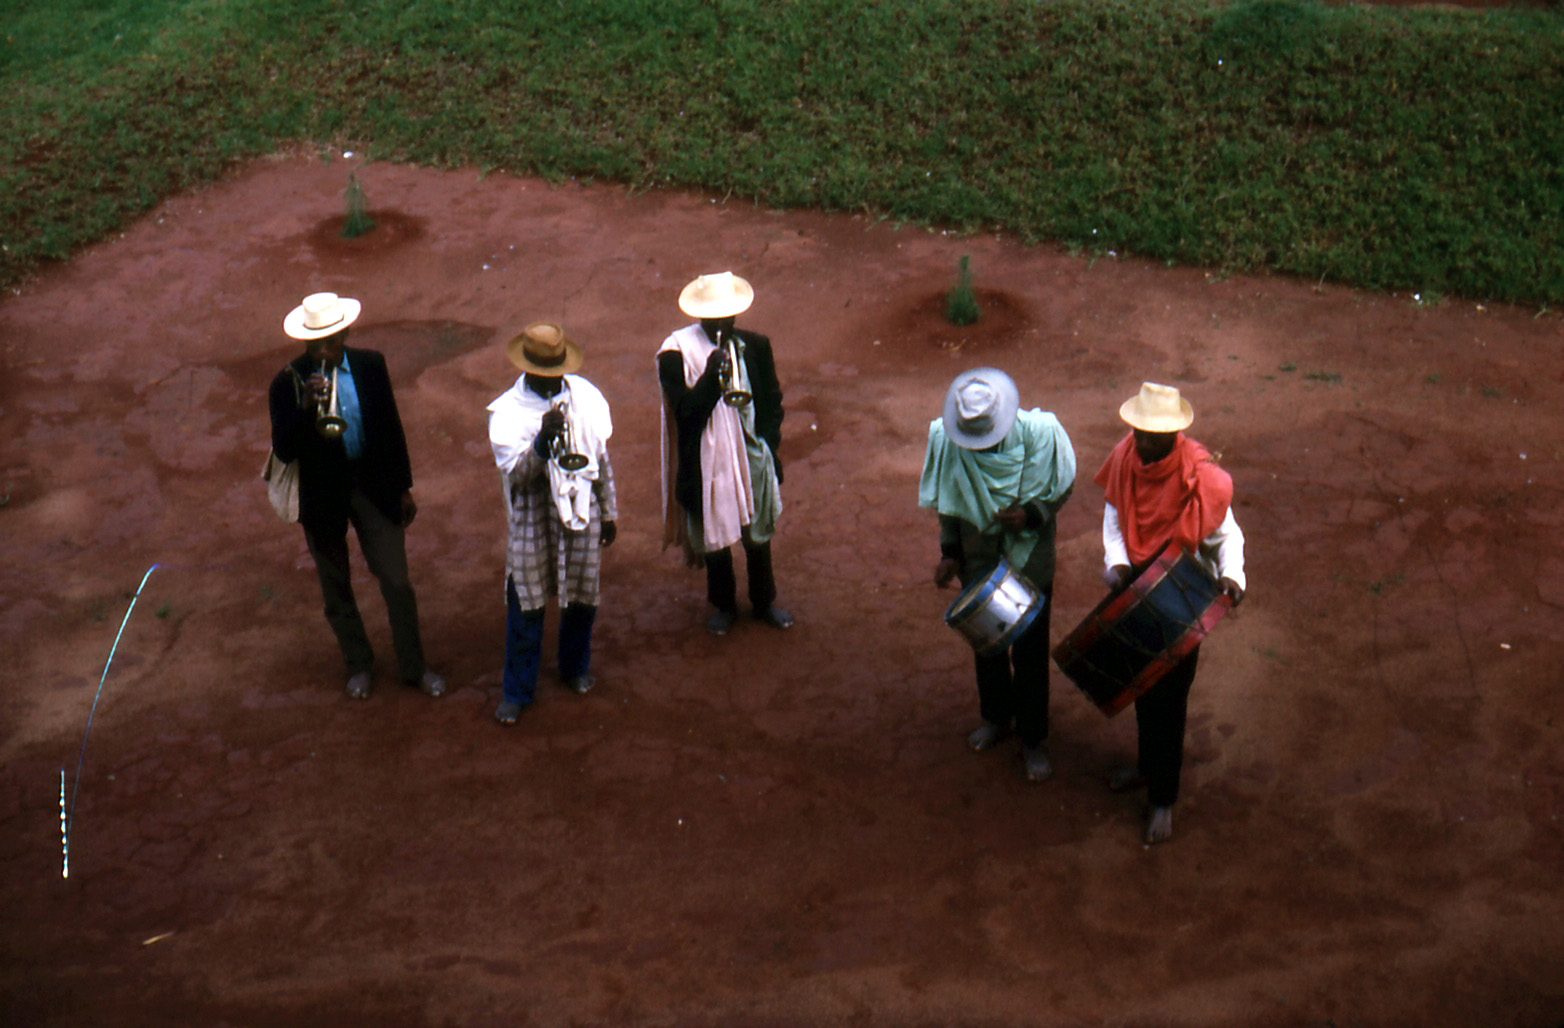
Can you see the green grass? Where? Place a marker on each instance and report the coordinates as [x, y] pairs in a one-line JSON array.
[[1389, 148]]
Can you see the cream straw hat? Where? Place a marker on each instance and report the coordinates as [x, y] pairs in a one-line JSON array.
[[1157, 408]]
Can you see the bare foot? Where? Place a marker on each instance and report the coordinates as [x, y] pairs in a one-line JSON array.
[[1126, 778], [1159, 826], [1035, 760], [986, 735]]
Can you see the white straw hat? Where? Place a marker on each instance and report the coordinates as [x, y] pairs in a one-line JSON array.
[[1157, 408], [320, 315], [980, 407], [716, 296]]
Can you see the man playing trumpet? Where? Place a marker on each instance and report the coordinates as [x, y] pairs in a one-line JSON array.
[[549, 434], [333, 411], [997, 476], [722, 429]]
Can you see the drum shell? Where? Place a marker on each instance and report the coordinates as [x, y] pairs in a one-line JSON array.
[[992, 612], [1136, 635]]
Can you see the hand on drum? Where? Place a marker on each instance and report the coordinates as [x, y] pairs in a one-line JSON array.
[[1116, 577], [1233, 590], [944, 571], [1012, 518]]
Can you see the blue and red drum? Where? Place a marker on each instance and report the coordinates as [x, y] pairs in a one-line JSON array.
[[1136, 635], [993, 611]]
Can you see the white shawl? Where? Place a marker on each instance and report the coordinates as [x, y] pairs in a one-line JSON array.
[[516, 416], [727, 498]]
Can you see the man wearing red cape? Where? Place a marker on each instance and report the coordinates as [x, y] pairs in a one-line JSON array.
[[1159, 484]]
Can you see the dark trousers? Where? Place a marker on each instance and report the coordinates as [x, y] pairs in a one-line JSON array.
[[722, 586], [382, 544], [1159, 721], [524, 645], [1013, 683]]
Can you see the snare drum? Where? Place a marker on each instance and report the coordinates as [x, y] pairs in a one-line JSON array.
[[1136, 635], [993, 611]]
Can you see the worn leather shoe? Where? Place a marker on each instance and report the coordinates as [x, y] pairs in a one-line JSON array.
[[775, 616], [720, 622], [358, 686]]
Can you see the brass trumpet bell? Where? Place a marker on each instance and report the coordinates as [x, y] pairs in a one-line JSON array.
[[566, 450], [733, 392], [328, 416]]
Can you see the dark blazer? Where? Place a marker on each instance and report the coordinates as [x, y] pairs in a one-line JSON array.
[[326, 476], [692, 406]]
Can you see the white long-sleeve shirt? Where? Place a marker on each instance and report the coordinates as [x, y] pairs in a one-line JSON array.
[[1221, 553]]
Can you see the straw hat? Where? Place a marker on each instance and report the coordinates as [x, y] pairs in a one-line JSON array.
[[543, 349], [980, 407], [1157, 408], [716, 296], [321, 315]]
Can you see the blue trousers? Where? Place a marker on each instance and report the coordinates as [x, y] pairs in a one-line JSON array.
[[524, 645]]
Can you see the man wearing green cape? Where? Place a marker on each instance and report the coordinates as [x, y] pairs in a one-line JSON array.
[[997, 476]]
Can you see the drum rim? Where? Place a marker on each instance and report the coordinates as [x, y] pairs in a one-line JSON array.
[[1071, 651], [989, 584]]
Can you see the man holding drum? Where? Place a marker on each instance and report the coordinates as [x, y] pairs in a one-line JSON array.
[[1162, 485], [549, 434], [997, 476]]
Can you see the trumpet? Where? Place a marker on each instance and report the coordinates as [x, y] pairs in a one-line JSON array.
[[733, 392], [328, 416], [566, 448]]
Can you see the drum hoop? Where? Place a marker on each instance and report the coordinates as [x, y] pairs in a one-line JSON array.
[[1115, 605], [1105, 615], [977, 601], [1165, 662], [991, 582]]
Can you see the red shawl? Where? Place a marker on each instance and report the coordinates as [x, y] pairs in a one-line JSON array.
[[1185, 496]]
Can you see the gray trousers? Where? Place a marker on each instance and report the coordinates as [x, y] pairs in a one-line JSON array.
[[382, 544]]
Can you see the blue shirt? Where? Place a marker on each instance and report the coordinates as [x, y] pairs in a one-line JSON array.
[[347, 406]]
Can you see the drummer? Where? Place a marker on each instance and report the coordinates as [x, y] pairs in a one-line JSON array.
[[1161, 484], [997, 476]]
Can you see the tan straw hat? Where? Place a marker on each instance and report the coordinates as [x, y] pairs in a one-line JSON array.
[[716, 296], [321, 315], [543, 349], [1157, 408]]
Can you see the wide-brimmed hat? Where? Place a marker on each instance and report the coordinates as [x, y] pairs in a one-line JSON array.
[[1157, 408], [716, 296], [980, 407], [542, 348], [321, 315]]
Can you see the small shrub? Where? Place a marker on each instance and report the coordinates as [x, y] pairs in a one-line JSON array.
[[961, 306], [358, 220]]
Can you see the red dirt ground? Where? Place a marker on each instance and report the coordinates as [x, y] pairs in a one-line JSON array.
[[768, 829]]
